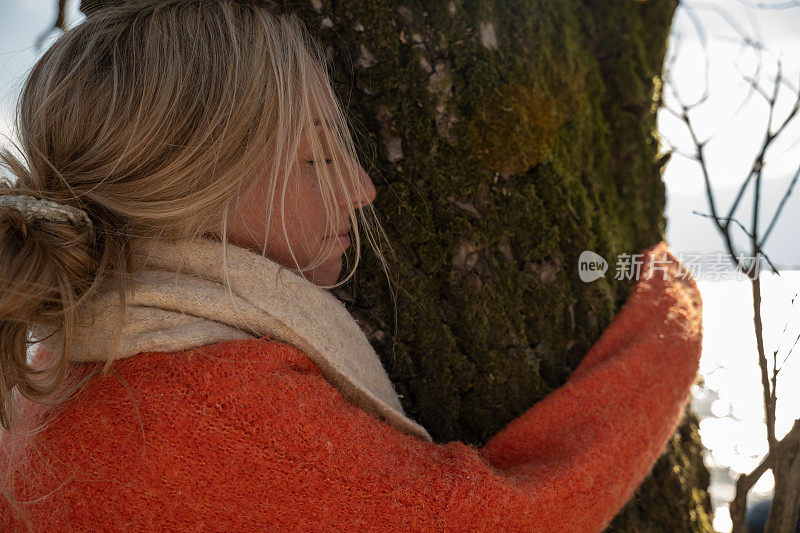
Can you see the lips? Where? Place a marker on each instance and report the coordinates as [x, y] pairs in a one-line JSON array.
[[343, 238]]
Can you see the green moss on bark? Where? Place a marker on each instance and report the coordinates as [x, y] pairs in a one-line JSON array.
[[510, 136], [507, 136]]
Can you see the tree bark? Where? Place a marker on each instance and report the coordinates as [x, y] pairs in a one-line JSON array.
[[505, 137]]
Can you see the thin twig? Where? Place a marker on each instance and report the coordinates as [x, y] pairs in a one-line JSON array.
[[745, 482], [758, 163], [771, 5], [777, 214], [758, 250]]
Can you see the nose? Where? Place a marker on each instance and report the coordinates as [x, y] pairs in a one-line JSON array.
[[363, 190], [368, 188]]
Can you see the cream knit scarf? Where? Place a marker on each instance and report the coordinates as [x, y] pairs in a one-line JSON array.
[[182, 299]]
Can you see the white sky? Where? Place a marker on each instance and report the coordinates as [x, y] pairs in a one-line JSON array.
[[21, 23], [735, 138]]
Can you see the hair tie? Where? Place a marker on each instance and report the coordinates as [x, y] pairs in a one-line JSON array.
[[39, 208]]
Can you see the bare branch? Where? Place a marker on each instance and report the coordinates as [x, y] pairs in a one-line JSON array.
[[784, 456], [774, 98], [707, 181], [771, 5], [754, 84], [758, 163], [753, 88], [789, 84], [738, 507], [768, 391], [777, 214], [735, 221], [703, 38], [789, 117], [733, 23], [692, 157], [796, 340]]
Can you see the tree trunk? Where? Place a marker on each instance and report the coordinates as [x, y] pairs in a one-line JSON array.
[[505, 137]]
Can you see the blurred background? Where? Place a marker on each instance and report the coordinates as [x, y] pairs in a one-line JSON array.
[[705, 56], [705, 50]]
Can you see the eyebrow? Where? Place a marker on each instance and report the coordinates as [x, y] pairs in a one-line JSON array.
[[318, 122]]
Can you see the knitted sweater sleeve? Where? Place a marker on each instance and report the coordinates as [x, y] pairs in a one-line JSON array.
[[569, 463], [281, 448]]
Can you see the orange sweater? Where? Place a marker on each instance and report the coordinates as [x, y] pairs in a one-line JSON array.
[[248, 435]]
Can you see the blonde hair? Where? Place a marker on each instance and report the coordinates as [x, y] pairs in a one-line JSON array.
[[150, 116]]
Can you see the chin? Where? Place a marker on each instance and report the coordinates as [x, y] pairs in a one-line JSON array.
[[327, 273]]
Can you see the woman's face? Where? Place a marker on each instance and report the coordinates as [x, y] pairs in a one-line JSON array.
[[307, 232]]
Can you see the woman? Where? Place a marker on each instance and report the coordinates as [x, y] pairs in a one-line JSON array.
[[189, 192]]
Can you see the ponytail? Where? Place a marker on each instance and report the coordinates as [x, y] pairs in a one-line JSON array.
[[46, 269]]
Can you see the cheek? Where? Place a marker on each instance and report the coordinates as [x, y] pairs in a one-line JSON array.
[[310, 209], [305, 218]]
